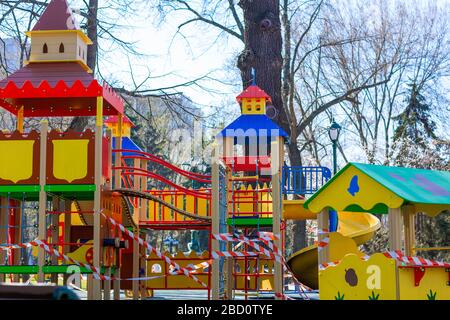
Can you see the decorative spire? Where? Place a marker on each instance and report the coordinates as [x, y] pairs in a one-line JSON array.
[[57, 16], [56, 37], [253, 77]]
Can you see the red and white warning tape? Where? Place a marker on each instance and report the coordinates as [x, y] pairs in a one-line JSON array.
[[202, 265], [415, 261], [399, 256], [323, 266], [268, 235], [154, 250], [275, 254], [323, 243], [18, 246], [232, 254], [272, 247]]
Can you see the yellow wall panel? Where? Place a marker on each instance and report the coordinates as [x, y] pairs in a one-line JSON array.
[[17, 163], [357, 279], [70, 159], [433, 285]]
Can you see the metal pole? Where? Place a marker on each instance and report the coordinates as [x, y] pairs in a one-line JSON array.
[[334, 157]]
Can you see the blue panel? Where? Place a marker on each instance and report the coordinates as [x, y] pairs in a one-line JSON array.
[[253, 126], [127, 144], [334, 220]]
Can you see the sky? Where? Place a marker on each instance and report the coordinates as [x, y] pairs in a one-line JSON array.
[[172, 58]]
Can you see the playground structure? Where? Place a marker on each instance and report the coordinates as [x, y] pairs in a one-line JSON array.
[[89, 193]]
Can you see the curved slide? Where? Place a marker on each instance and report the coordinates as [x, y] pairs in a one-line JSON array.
[[360, 227]]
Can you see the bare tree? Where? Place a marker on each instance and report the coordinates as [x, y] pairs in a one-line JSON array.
[[393, 49]]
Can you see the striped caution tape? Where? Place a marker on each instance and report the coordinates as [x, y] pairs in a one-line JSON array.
[[415, 261], [335, 263], [261, 236], [268, 235], [154, 250], [323, 266], [323, 243], [232, 254], [193, 268], [399, 256], [272, 247], [253, 243], [202, 265], [18, 246]]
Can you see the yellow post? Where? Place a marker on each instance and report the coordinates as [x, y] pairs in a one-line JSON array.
[[42, 234], [276, 166], [395, 229], [109, 137], [96, 283], [20, 120], [410, 232], [117, 185], [215, 221]]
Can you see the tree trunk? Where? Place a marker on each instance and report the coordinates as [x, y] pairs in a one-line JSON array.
[[263, 51], [92, 33], [80, 123]]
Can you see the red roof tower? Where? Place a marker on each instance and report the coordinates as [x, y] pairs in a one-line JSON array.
[[56, 81], [57, 16]]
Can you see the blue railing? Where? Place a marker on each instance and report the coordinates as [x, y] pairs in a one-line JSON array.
[[304, 180]]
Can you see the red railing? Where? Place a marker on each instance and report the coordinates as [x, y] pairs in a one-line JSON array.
[[130, 173], [152, 158]]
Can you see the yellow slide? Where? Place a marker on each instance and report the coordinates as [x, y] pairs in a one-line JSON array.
[[360, 227]]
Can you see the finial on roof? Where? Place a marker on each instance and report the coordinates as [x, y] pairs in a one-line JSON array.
[[253, 77]]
